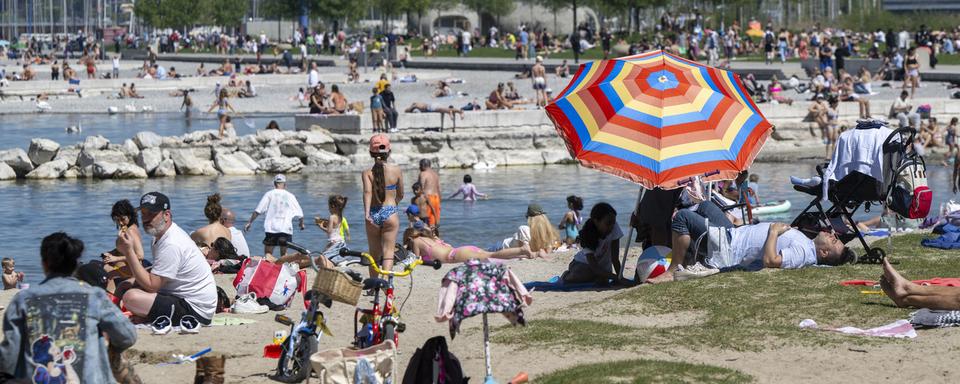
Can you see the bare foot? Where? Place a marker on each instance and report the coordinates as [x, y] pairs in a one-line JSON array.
[[525, 250], [893, 284], [663, 278]]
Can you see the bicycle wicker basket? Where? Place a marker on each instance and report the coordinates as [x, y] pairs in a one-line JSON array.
[[338, 286]]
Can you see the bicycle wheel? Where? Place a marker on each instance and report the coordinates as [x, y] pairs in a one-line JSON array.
[[297, 368], [389, 332]]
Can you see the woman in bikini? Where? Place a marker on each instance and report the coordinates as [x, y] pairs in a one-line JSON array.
[[382, 189], [423, 242]]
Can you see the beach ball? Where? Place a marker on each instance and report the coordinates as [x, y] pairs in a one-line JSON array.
[[653, 262]]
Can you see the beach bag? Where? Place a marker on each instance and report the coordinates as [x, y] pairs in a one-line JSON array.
[[719, 253], [377, 364], [274, 282], [924, 111], [911, 196], [433, 363]]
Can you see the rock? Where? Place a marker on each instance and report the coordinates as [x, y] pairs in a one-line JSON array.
[[88, 157], [149, 159], [248, 161], [457, 159], [348, 144], [72, 173], [18, 160], [130, 148], [129, 171], [170, 142], [147, 139], [104, 169], [548, 142], [230, 164], [269, 151], [188, 164], [167, 168], [321, 160], [556, 156], [429, 143], [7, 173], [314, 137], [515, 141], [49, 170], [298, 149], [280, 164], [528, 157], [95, 142], [69, 153], [270, 136], [200, 136], [42, 150]]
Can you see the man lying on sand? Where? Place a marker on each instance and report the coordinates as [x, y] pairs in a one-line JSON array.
[[906, 293], [754, 247]]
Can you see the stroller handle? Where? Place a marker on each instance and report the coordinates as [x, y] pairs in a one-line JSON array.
[[900, 133]]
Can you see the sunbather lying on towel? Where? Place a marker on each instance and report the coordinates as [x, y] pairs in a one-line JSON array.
[[906, 293], [754, 247]]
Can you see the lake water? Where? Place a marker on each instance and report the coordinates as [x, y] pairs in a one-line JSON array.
[[19, 129], [34, 209]]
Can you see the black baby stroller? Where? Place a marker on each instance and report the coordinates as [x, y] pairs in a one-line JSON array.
[[902, 187]]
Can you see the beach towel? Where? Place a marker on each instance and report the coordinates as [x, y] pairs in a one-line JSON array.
[[938, 281], [948, 240], [933, 318], [898, 329], [555, 284]]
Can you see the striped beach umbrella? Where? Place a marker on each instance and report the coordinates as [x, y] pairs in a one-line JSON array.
[[659, 120]]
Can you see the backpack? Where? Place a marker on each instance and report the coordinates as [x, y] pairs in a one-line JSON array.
[[433, 363], [911, 196]]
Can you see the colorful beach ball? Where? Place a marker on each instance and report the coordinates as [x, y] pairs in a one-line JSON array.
[[653, 262]]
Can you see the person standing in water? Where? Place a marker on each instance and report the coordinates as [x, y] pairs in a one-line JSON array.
[[429, 180], [280, 207], [222, 105], [468, 190]]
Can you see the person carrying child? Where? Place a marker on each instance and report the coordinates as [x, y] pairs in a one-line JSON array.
[[599, 257]]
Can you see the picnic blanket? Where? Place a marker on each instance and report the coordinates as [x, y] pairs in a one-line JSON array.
[[940, 281], [554, 284], [950, 239], [933, 318]]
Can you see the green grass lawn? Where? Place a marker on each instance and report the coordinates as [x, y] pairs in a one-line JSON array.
[[741, 311], [644, 371]]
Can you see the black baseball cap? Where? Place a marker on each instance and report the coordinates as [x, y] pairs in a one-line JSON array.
[[155, 202]]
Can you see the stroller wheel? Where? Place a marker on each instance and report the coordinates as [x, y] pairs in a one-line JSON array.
[[873, 256]]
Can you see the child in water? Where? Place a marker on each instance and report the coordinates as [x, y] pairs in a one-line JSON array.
[[468, 190], [570, 222]]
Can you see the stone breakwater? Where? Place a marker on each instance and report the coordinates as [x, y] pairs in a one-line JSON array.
[[202, 153]]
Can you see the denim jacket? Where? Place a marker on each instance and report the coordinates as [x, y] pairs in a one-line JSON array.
[[52, 333]]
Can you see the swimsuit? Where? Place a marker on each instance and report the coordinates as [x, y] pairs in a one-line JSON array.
[[539, 83], [433, 214], [571, 230], [381, 214], [451, 257]]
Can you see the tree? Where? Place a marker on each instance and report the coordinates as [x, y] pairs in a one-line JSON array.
[[227, 13], [554, 6], [418, 7], [168, 13]]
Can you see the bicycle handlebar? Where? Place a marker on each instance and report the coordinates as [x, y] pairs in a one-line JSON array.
[[367, 259], [301, 249]]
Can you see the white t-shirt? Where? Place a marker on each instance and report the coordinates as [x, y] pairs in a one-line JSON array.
[[280, 207], [116, 63], [603, 249], [795, 249], [239, 242], [177, 259], [313, 78]]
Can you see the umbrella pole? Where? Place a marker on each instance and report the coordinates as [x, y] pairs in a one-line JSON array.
[[626, 245], [486, 352]]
